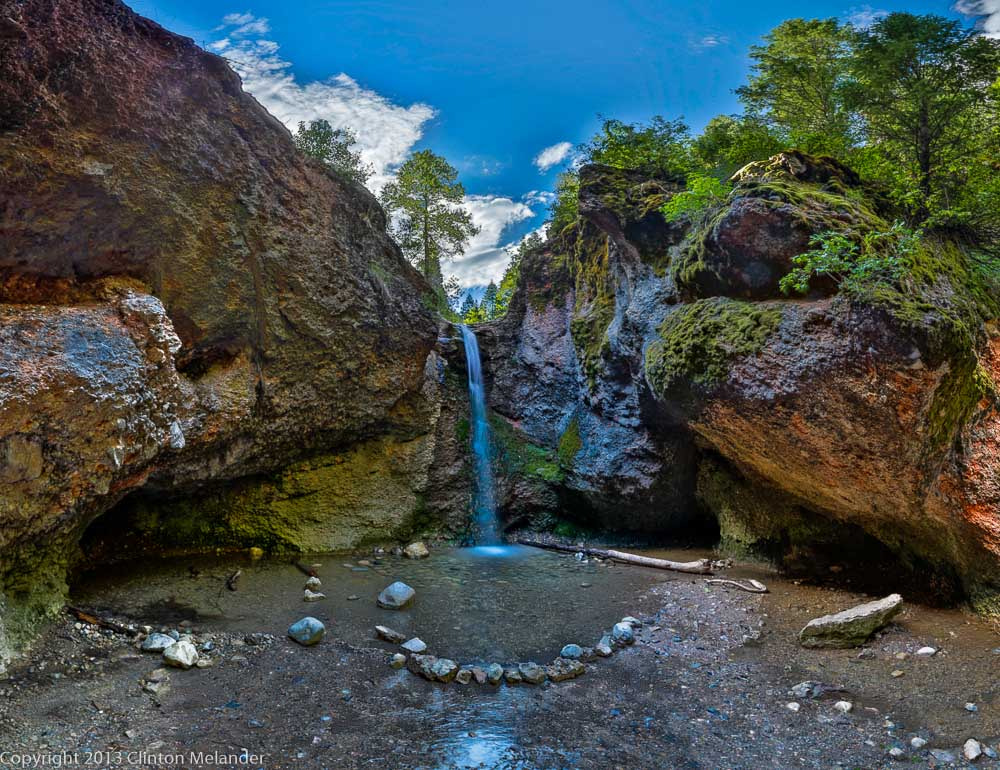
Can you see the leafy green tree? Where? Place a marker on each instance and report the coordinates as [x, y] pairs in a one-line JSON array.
[[799, 81], [703, 193], [565, 206], [512, 274], [661, 148], [424, 204], [729, 142], [332, 146], [469, 307], [925, 87]]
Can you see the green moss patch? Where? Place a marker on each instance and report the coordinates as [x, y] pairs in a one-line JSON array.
[[699, 342], [519, 456], [570, 444]]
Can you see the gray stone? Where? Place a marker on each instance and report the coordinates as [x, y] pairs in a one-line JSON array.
[[397, 661], [972, 750], [416, 551], [603, 647], [180, 655], [843, 706], [422, 665], [572, 651], [312, 596], [494, 673], [632, 621], [896, 753], [390, 635], [943, 756], [464, 676], [512, 675], [157, 643], [479, 675], [414, 645], [307, 631], [622, 634], [532, 673], [396, 596], [564, 668], [918, 742], [314, 583], [852, 627], [444, 670]]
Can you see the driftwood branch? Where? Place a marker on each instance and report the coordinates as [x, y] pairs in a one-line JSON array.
[[305, 570], [232, 580], [751, 586], [697, 567], [88, 617]]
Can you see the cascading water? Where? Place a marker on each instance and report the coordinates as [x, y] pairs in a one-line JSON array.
[[484, 500]]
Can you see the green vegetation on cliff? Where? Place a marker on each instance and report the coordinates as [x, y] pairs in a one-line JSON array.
[[698, 342]]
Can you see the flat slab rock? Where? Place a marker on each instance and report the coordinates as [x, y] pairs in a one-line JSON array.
[[852, 627]]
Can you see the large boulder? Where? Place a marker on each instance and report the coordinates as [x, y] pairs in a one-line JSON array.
[[192, 309]]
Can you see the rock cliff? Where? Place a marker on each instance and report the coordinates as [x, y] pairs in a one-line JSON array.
[[668, 378], [191, 306]]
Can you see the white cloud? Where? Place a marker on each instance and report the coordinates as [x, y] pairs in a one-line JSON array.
[[386, 131], [864, 16], [539, 198], [552, 156], [709, 41], [485, 258], [987, 13]]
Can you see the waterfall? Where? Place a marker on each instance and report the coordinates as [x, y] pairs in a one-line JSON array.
[[483, 501]]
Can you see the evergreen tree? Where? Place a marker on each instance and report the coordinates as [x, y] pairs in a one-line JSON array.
[[332, 146]]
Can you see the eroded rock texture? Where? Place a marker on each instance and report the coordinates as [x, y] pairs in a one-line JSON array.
[[189, 304], [687, 381]]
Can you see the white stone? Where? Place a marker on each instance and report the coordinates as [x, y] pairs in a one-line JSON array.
[[312, 596], [972, 749], [180, 655], [793, 706], [844, 706], [927, 651], [918, 742], [414, 645], [314, 583], [896, 753]]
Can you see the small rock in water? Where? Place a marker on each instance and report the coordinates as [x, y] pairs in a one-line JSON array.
[[353, 598], [397, 661], [307, 631], [918, 742], [312, 596], [844, 706], [157, 642], [512, 675], [444, 669], [634, 622], [793, 706], [396, 596], [572, 651], [314, 583], [896, 753], [580, 556], [180, 655], [852, 627], [622, 633], [972, 750], [390, 635], [972, 708], [532, 673], [926, 651], [479, 675], [464, 676], [603, 647], [414, 645], [494, 673], [416, 551], [991, 753], [205, 662]]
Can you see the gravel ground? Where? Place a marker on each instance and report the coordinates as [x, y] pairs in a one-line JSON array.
[[705, 686]]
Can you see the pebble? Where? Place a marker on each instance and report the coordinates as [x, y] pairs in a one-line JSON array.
[[896, 753], [414, 645], [397, 661], [793, 706], [943, 756], [307, 632], [971, 708], [416, 551], [844, 706], [157, 643], [464, 676], [205, 662], [312, 596], [444, 670], [396, 596], [972, 750], [532, 673], [353, 598], [180, 655], [926, 651], [991, 753], [897, 673], [918, 742], [572, 651], [314, 583], [390, 635], [494, 673], [622, 633], [479, 675], [603, 647], [563, 669], [512, 675]]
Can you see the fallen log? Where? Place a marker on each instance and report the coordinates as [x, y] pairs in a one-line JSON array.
[[232, 579], [304, 569], [697, 567], [88, 617]]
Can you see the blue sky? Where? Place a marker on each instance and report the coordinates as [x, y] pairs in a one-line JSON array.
[[491, 85]]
